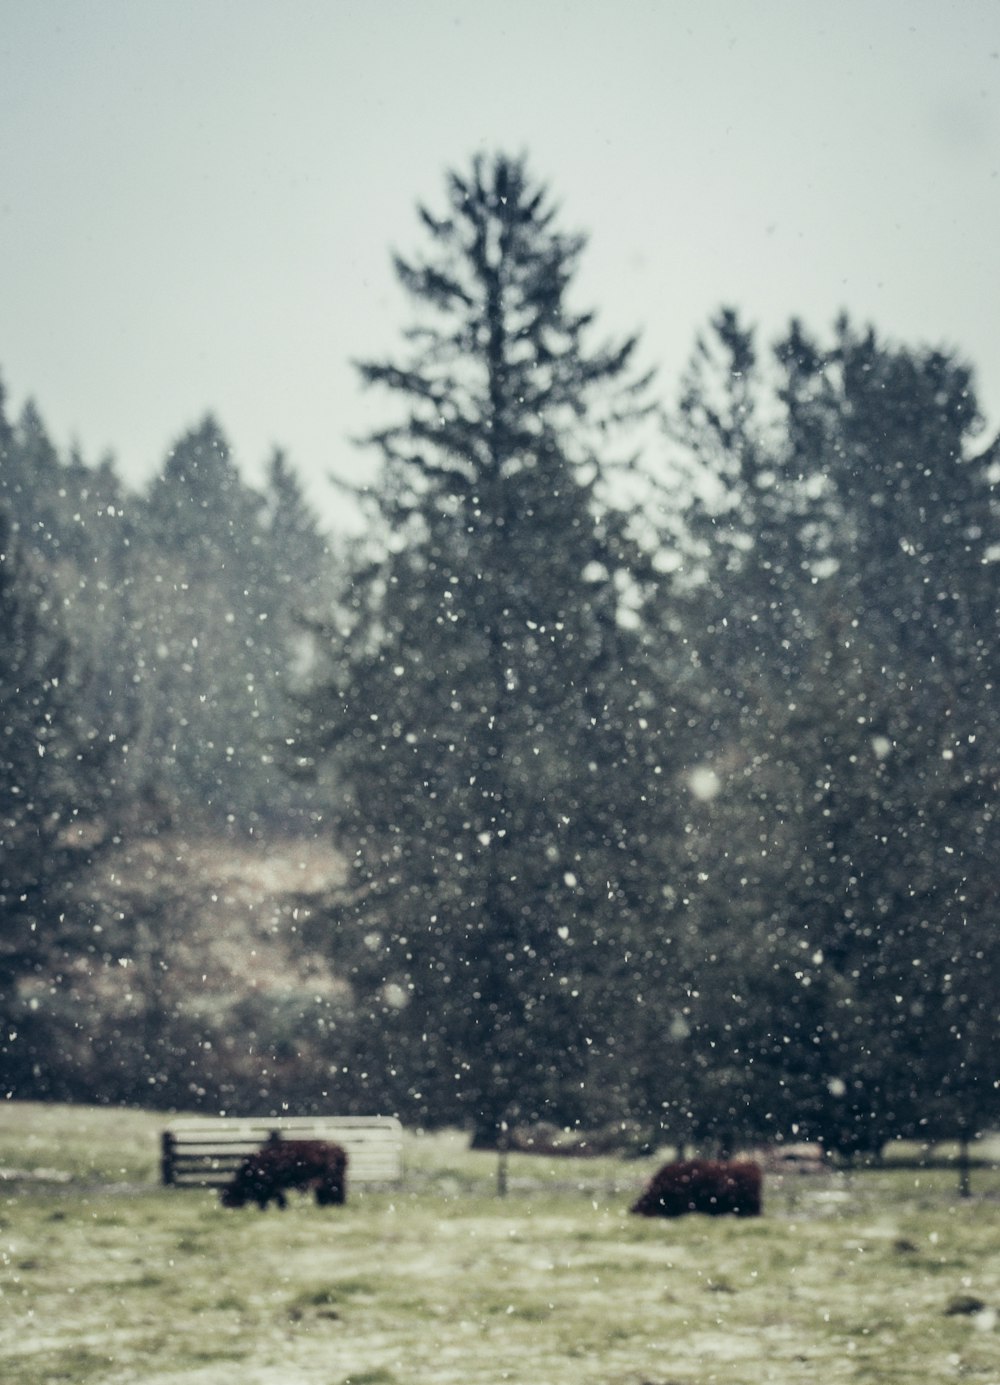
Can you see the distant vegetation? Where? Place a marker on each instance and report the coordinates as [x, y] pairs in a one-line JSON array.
[[636, 763]]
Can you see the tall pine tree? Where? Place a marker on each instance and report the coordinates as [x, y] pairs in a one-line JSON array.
[[489, 708]]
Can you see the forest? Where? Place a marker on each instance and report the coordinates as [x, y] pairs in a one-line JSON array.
[[634, 764]]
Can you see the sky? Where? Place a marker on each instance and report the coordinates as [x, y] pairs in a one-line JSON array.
[[199, 199]]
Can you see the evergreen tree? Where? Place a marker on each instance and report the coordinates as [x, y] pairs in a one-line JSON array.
[[490, 708], [31, 483], [201, 511], [295, 581], [298, 554], [902, 809], [52, 775], [849, 623], [203, 615]]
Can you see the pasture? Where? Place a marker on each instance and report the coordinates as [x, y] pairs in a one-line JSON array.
[[869, 1276]]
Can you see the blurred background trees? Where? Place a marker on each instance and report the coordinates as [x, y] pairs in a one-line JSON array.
[[644, 741]]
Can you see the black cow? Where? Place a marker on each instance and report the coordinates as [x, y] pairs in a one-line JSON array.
[[715, 1187], [283, 1165]]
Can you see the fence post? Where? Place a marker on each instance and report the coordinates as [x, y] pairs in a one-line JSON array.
[[964, 1164], [167, 1158], [503, 1150]]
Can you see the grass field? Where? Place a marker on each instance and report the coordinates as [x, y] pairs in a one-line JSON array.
[[106, 1277]]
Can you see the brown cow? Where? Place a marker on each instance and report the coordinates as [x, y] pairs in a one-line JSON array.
[[715, 1187], [289, 1164]]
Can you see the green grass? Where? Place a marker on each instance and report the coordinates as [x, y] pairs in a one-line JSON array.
[[107, 1278]]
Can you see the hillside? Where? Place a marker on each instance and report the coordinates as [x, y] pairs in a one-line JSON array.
[[232, 910], [197, 989]]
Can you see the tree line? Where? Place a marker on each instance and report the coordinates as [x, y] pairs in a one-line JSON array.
[[653, 728]]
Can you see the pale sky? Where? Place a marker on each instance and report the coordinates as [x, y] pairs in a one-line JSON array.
[[198, 198]]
